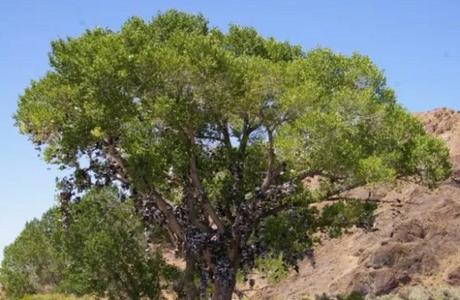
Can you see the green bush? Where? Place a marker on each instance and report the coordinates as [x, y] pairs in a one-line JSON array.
[[33, 261], [273, 267], [102, 252]]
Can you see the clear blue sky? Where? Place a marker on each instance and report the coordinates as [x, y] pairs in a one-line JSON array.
[[416, 43]]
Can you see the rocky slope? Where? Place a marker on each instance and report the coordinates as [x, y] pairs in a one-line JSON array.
[[416, 241]]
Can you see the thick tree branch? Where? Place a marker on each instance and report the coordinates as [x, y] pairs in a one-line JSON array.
[[123, 173], [202, 194], [235, 161], [226, 136], [247, 130], [341, 189], [271, 161], [168, 212]]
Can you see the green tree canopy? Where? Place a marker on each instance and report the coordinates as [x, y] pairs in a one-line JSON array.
[[212, 133], [102, 252]]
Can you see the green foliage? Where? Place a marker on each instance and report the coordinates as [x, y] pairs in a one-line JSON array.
[[273, 267], [374, 170], [337, 114], [31, 262], [287, 234], [102, 252], [432, 168], [344, 214], [346, 122], [106, 253]]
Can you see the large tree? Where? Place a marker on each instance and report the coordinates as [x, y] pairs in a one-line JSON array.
[[214, 132]]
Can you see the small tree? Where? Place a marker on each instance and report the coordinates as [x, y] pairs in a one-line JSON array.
[[102, 252], [105, 250], [212, 133], [32, 263]]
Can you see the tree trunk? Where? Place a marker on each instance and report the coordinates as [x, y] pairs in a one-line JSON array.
[[224, 284], [186, 288]]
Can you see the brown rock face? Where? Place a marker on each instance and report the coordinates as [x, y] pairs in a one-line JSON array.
[[385, 281], [417, 240], [453, 278], [388, 256], [377, 282], [410, 231]]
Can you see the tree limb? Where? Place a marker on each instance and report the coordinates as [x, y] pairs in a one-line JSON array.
[[271, 161], [202, 194], [163, 205]]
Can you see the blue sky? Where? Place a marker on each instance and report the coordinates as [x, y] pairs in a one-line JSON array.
[[416, 43]]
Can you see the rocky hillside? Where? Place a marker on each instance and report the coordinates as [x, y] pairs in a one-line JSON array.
[[415, 242]]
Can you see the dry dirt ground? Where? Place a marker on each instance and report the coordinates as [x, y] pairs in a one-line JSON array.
[[416, 239]]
